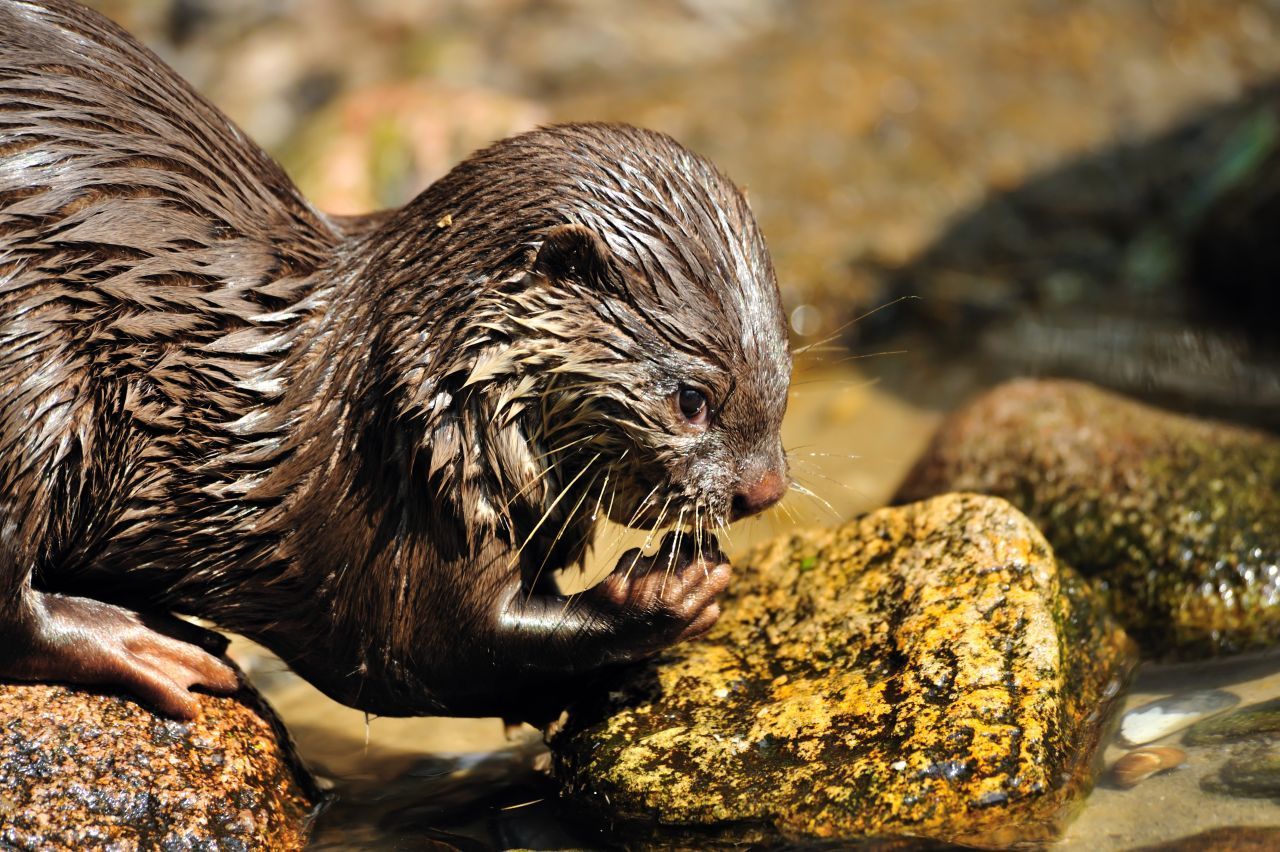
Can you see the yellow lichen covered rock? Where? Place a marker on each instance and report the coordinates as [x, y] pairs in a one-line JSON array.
[[924, 670]]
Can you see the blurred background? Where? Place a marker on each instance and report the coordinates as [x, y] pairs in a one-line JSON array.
[[1074, 187], [953, 193]]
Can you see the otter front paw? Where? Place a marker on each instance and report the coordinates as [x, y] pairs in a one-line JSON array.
[[658, 600], [159, 659]]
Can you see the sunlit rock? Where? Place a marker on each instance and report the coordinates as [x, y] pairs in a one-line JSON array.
[[1178, 519], [925, 670]]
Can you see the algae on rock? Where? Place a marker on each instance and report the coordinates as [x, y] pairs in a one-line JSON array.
[[1176, 519], [923, 670], [1257, 721]]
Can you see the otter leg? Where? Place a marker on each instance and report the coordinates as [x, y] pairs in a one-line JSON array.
[[79, 640], [645, 604], [47, 445]]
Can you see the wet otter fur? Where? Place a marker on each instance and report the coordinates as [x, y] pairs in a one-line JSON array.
[[365, 443]]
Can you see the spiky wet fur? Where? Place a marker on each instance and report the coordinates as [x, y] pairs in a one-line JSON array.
[[345, 437]]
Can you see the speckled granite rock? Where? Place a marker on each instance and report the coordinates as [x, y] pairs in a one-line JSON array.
[[924, 670], [1177, 518], [84, 770]]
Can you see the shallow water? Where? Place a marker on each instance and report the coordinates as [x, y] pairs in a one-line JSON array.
[[460, 781], [1172, 805]]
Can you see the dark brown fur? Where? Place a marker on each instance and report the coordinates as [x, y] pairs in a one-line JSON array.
[[365, 444]]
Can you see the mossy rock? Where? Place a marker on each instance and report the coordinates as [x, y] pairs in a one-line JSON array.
[[1248, 838], [1255, 722], [926, 670], [1253, 773], [1176, 519], [81, 769]]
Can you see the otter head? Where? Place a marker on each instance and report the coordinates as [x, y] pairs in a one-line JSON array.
[[673, 366], [681, 377], [612, 307]]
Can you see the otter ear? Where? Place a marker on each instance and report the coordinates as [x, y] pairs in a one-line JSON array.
[[576, 252]]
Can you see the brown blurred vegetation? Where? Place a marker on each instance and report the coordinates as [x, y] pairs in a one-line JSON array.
[[1064, 169]]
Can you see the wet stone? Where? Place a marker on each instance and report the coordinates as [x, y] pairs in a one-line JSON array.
[[1157, 719], [80, 769], [1230, 839], [1177, 519], [1253, 722], [901, 674], [1252, 774]]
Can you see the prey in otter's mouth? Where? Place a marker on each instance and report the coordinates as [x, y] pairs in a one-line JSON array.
[[366, 443]]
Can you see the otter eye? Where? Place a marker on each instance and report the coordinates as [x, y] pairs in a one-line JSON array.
[[693, 405]]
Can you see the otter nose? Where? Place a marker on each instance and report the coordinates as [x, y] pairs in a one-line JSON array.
[[754, 499]]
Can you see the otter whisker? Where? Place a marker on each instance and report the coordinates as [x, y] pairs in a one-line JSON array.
[[657, 525], [675, 546], [611, 552], [620, 536], [542, 475], [847, 384], [595, 513], [643, 503], [724, 530], [569, 518], [697, 525], [833, 335], [515, 559], [786, 510], [832, 480], [612, 496], [563, 447], [816, 348], [852, 356], [792, 454], [648, 539], [800, 489], [861, 355], [800, 477], [580, 545], [614, 548]]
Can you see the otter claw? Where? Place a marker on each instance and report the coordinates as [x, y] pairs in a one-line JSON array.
[[664, 598], [159, 659], [163, 670]]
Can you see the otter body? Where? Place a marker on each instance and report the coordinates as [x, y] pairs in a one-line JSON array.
[[366, 444]]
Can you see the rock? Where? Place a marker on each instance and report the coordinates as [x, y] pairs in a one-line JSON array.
[[901, 674], [1231, 839], [1137, 766], [1253, 774], [1255, 721], [1178, 519], [1157, 719], [82, 769]]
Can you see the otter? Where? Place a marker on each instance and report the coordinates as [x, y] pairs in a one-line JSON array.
[[366, 443]]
